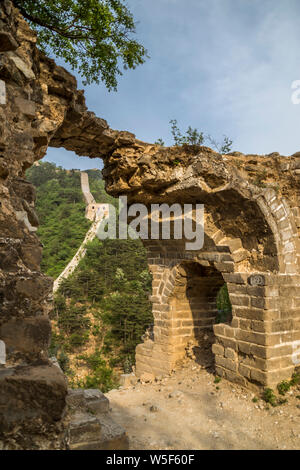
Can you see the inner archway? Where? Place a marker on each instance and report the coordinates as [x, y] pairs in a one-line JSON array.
[[194, 311]]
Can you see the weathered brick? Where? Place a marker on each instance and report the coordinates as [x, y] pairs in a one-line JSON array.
[[227, 363], [244, 370], [259, 376], [225, 267], [231, 354], [218, 349], [240, 300], [234, 244], [236, 288]]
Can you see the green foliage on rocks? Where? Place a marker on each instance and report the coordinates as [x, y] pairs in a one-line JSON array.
[[101, 376], [195, 138], [285, 385], [113, 279]]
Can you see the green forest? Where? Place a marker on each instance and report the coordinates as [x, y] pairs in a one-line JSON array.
[[105, 301], [102, 310]]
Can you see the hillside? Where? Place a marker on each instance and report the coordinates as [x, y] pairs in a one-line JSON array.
[[101, 311], [60, 207]]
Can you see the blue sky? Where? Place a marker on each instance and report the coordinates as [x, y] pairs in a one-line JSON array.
[[222, 66]]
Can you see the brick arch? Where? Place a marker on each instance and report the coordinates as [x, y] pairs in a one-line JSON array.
[[241, 347], [281, 221], [43, 107], [192, 306]]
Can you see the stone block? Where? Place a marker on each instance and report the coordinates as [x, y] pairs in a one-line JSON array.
[[226, 363], [244, 347], [21, 65], [7, 42], [240, 255], [240, 300], [235, 377], [88, 432], [84, 429], [244, 370], [96, 401], [225, 267], [127, 380], [231, 354], [236, 288], [235, 278], [26, 107], [234, 244], [259, 376], [28, 335], [31, 395], [218, 349]]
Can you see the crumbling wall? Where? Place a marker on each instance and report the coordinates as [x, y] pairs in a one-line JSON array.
[[39, 106], [252, 224], [95, 212], [251, 238]]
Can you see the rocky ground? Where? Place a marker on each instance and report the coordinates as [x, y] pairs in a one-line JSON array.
[[188, 410]]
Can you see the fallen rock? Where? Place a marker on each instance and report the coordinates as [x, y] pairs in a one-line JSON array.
[[126, 380], [147, 378], [154, 409]]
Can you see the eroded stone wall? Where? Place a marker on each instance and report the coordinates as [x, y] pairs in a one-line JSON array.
[[251, 238], [252, 223], [39, 106]]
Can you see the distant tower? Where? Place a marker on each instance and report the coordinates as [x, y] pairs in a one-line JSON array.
[[94, 211]]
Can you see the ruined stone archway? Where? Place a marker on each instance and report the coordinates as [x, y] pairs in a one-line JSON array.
[[251, 238], [256, 247], [185, 317]]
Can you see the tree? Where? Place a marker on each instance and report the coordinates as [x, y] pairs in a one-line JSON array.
[[93, 36], [192, 137]]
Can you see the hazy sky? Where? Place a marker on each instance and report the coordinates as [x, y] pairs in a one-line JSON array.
[[222, 66]]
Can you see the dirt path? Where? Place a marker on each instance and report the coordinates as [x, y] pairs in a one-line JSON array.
[[189, 411]]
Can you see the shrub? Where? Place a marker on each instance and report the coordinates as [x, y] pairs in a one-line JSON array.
[[270, 397]]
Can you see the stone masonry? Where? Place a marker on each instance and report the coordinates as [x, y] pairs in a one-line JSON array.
[[251, 243], [39, 106]]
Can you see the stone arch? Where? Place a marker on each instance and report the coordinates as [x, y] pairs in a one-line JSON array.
[[279, 220], [193, 310], [244, 350], [41, 106]]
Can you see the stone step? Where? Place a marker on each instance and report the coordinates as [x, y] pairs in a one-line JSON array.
[[100, 432], [91, 427], [92, 400]]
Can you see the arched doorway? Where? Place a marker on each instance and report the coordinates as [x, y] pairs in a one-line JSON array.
[[194, 311]]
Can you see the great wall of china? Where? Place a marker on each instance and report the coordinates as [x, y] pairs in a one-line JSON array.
[[252, 242], [95, 212]]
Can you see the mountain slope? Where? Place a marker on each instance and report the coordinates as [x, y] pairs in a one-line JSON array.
[[102, 309]]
